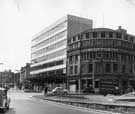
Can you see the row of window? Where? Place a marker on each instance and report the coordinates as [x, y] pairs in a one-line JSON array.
[[102, 43], [103, 55], [50, 40], [73, 58], [51, 31], [109, 68], [101, 35], [49, 48], [51, 56], [54, 72], [47, 65], [108, 42]]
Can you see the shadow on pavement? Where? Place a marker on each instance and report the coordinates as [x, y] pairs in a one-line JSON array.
[[10, 111]]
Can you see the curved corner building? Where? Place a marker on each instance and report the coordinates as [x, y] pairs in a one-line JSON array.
[[49, 50], [102, 58]]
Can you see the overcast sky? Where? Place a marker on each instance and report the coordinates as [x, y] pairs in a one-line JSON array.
[[20, 20]]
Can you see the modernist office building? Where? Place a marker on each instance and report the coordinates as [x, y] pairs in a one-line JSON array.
[[103, 58], [49, 49]]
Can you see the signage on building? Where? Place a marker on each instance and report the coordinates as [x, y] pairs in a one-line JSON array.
[[109, 85]]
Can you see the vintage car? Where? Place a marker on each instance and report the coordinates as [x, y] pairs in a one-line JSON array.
[[88, 90], [58, 91], [4, 100]]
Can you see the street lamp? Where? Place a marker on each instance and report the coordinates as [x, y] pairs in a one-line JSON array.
[[1, 75]]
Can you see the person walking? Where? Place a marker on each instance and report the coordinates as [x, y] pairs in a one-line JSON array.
[[45, 90]]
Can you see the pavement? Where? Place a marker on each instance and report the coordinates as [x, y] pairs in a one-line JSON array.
[[86, 98]]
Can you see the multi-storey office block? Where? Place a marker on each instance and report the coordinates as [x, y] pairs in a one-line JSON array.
[[49, 49]]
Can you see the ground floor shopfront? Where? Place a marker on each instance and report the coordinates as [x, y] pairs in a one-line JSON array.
[[104, 85], [39, 82]]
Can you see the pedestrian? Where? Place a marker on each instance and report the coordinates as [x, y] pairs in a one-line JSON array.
[[45, 90]]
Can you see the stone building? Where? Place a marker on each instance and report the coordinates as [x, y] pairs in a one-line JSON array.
[[103, 58], [25, 73]]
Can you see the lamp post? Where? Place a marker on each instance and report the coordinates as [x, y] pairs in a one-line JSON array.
[[1, 75]]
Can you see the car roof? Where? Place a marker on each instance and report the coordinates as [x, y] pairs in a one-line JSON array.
[[58, 87], [2, 89]]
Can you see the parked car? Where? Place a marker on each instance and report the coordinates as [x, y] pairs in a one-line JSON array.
[[88, 90], [4, 100], [58, 91]]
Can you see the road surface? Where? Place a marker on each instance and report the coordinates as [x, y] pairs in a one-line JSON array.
[[22, 103]]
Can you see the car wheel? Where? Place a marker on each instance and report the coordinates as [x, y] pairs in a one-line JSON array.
[[8, 107], [4, 110]]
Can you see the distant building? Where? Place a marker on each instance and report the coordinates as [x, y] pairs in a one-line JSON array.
[[49, 50], [25, 73], [16, 78], [103, 58], [6, 77]]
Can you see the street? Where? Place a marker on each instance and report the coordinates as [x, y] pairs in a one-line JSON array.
[[23, 103]]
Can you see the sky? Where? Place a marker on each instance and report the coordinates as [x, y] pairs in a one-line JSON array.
[[20, 20]]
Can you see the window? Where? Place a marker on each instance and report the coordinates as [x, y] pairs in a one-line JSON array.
[[59, 71], [69, 40], [126, 37], [93, 55], [76, 69], [94, 35], [97, 84], [110, 34], [108, 67], [87, 35], [79, 37], [118, 35], [115, 67], [70, 59], [74, 39], [71, 69], [90, 68], [123, 68], [107, 55], [84, 56], [131, 39], [59, 62], [102, 34], [99, 55], [51, 72], [76, 57], [99, 67], [131, 69], [90, 55]]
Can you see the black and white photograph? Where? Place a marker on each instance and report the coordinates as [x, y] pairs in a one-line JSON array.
[[67, 56]]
